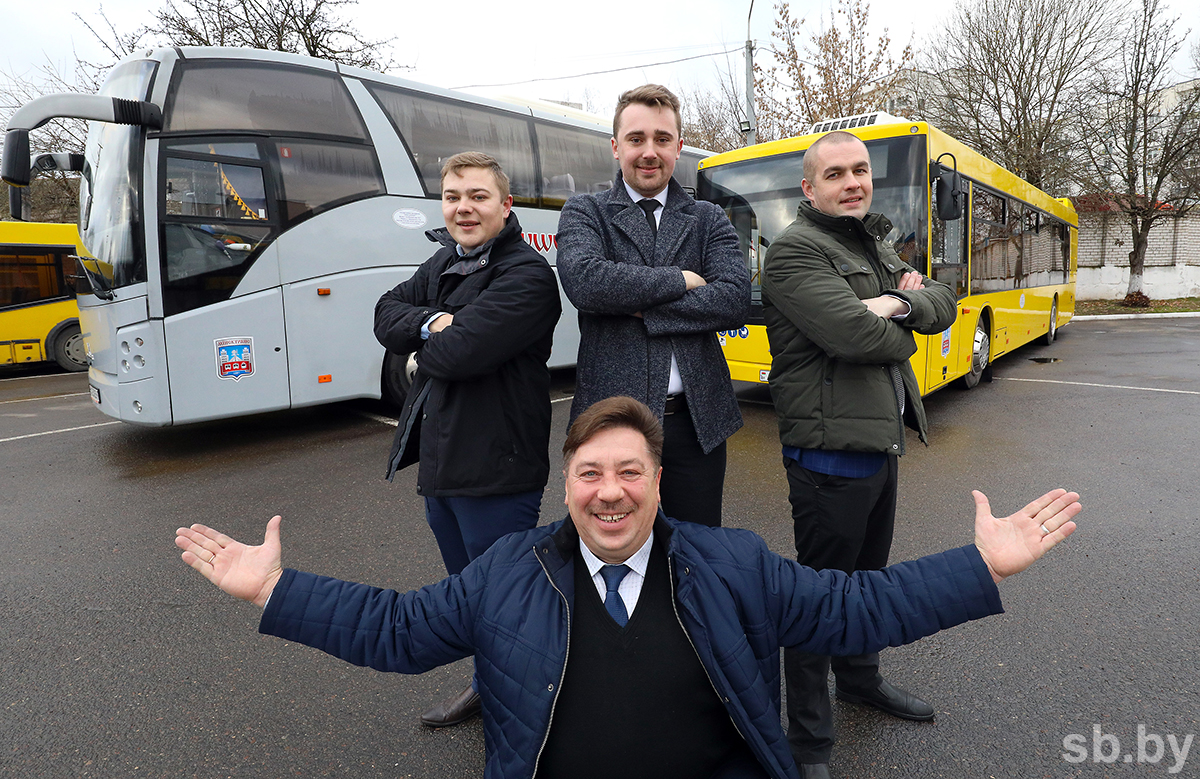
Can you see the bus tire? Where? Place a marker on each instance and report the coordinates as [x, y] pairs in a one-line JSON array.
[[69, 350], [398, 372], [981, 368], [1052, 330]]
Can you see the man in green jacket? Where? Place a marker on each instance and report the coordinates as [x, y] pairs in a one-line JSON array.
[[841, 307]]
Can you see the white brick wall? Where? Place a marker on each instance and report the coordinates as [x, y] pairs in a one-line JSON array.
[[1172, 258]]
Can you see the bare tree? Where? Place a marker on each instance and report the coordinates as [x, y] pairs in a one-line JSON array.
[[1143, 158], [712, 120], [1013, 79], [835, 72], [54, 197], [312, 27]]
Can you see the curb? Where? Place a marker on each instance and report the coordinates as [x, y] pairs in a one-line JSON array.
[[1168, 315]]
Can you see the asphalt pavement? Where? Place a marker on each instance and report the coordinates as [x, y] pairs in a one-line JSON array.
[[116, 660]]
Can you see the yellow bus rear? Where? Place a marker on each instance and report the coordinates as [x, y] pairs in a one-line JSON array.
[[1011, 257], [39, 319]]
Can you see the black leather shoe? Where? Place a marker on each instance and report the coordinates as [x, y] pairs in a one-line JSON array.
[[814, 771], [891, 700], [460, 708]]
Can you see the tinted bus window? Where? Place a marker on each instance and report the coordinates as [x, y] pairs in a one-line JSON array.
[[31, 274], [685, 170], [434, 129], [216, 215], [318, 175], [261, 98], [573, 162]]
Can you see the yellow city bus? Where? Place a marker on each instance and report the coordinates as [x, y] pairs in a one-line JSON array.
[[38, 316], [1010, 254]]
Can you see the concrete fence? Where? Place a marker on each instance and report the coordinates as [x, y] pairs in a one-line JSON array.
[[1172, 258]]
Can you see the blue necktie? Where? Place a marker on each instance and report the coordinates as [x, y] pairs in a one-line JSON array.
[[613, 574]]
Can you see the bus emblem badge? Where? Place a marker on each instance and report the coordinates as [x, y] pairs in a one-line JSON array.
[[235, 357]]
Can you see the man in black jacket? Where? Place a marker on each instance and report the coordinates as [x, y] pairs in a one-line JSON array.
[[479, 316]]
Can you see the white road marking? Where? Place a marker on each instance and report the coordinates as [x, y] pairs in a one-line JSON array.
[[1105, 386], [63, 430], [44, 397]]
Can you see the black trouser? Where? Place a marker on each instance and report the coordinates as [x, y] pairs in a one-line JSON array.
[[692, 481], [846, 524]]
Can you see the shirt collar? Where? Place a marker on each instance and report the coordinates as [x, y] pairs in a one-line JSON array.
[[635, 196], [637, 562]]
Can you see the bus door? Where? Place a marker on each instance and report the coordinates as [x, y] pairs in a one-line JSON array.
[[947, 354], [222, 305]]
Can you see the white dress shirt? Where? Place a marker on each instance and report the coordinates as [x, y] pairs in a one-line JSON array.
[[675, 383], [631, 586]]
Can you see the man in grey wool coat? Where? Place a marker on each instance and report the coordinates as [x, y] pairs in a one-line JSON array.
[[654, 275]]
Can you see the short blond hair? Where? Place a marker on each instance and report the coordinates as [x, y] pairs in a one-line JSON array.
[[652, 95], [477, 159]]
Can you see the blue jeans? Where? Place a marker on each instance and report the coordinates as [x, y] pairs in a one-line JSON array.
[[465, 527]]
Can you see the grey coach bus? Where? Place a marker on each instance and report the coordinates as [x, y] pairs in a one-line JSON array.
[[246, 209]]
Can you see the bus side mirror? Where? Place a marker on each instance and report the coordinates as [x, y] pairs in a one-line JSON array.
[[16, 203], [14, 165], [949, 194]]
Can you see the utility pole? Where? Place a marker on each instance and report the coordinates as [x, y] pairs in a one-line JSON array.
[[748, 126]]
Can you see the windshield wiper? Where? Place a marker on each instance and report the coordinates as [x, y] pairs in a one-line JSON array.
[[100, 286]]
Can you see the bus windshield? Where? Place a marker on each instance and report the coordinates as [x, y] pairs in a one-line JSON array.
[[761, 196], [109, 224]]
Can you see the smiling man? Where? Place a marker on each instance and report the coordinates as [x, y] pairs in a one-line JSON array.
[[673, 628], [840, 308], [479, 316], [655, 275]]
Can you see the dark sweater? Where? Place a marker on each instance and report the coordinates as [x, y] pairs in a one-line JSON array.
[[636, 702]]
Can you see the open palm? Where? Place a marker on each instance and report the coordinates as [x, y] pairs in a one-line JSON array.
[[1011, 544], [246, 572]]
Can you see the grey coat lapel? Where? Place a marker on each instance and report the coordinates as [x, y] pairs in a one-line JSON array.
[[630, 219], [673, 230]]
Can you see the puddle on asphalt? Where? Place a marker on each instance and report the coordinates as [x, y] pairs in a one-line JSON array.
[[1044, 359]]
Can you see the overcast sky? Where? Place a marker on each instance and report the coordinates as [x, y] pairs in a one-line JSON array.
[[470, 43]]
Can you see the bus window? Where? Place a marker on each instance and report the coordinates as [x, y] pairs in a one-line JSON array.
[[949, 251], [215, 190], [685, 170], [319, 175], [573, 162], [31, 275], [216, 216], [261, 97], [434, 129], [991, 263]]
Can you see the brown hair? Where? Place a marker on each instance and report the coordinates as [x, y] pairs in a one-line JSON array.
[[652, 95], [611, 413], [477, 159], [835, 137]]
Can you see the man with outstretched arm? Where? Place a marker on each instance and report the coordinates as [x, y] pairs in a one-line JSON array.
[[674, 627]]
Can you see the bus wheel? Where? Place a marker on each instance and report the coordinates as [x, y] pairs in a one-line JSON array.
[[1052, 332], [69, 351], [980, 354], [398, 372]]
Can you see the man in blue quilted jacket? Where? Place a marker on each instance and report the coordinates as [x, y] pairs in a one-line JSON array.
[[674, 628]]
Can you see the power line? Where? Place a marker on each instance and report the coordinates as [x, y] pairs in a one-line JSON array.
[[599, 72]]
